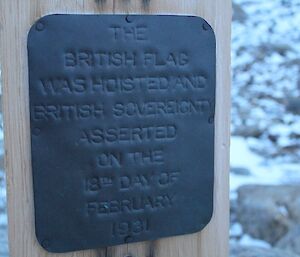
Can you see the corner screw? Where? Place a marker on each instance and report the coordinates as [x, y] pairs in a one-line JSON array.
[[36, 131], [46, 243], [40, 26], [128, 239], [129, 18], [205, 26], [211, 119]]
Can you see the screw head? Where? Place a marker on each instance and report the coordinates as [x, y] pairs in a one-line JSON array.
[[205, 26], [40, 26], [211, 119], [128, 239], [129, 18], [46, 243], [36, 131]]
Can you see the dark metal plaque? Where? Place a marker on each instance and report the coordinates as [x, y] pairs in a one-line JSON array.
[[122, 128]]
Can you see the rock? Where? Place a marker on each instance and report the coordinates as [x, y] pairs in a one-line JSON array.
[[3, 219], [240, 171], [1, 162], [1, 154], [233, 211], [236, 231], [269, 48], [268, 212], [291, 241], [239, 14], [3, 242], [293, 105], [246, 240], [248, 131], [246, 251]]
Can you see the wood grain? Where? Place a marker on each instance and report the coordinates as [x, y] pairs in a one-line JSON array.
[[16, 17]]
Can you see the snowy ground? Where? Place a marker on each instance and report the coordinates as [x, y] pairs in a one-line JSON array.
[[3, 216], [265, 65], [261, 171], [265, 144], [255, 170]]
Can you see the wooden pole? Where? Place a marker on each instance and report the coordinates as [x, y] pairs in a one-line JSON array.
[[16, 17]]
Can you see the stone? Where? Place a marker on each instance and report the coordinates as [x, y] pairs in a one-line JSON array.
[[239, 14], [293, 105], [268, 212], [3, 242], [291, 241], [240, 171], [247, 251]]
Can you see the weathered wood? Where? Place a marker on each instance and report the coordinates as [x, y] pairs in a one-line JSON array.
[[16, 17]]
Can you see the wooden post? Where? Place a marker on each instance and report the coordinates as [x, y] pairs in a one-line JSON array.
[[16, 17]]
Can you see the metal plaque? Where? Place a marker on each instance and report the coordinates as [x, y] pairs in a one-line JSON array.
[[122, 128]]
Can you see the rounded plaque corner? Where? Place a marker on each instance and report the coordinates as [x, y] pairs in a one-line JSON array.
[[46, 244], [40, 24], [205, 25], [37, 27], [201, 225], [209, 218], [30, 33]]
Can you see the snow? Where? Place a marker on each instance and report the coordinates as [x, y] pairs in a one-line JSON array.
[[236, 230], [237, 237], [264, 172], [265, 100], [247, 240], [266, 81], [266, 93], [3, 215]]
